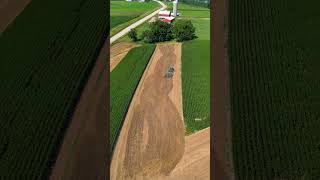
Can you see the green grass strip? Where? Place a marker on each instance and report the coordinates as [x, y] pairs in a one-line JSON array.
[[124, 80]]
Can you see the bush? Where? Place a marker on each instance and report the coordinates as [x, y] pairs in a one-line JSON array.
[[183, 30], [133, 35], [148, 36], [159, 32]]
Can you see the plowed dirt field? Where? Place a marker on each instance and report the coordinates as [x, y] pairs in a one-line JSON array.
[[151, 141]]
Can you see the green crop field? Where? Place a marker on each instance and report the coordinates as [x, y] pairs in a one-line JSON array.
[[123, 13], [46, 57], [196, 71], [196, 84], [124, 80], [191, 11], [275, 88]]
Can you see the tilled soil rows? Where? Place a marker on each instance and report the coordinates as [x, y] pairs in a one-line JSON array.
[[151, 142], [118, 52]]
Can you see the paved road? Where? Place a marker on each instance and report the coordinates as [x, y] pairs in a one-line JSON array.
[[134, 25]]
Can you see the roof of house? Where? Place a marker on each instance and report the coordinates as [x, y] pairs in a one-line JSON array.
[[165, 12], [168, 18]]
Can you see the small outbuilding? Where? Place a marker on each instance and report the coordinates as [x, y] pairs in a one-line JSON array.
[[165, 16]]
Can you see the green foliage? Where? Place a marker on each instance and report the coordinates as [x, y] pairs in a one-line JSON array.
[[46, 56], [124, 80], [196, 84], [133, 35], [159, 31], [274, 78], [183, 30]]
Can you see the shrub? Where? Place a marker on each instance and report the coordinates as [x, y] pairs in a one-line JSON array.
[[133, 35], [183, 30]]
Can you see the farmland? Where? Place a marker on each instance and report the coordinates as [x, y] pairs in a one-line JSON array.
[[46, 54], [196, 84], [124, 13], [123, 82], [191, 11], [275, 85], [196, 70]]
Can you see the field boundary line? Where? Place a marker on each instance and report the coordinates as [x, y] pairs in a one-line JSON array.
[[118, 28], [131, 101], [229, 129], [137, 23]]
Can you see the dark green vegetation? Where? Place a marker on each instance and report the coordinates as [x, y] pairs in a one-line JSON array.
[[158, 31], [196, 84], [196, 73], [133, 35], [275, 88], [123, 13], [46, 57], [183, 30], [124, 80]]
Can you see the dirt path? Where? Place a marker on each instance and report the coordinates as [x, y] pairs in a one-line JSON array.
[[83, 154], [118, 52], [9, 10], [222, 128], [151, 142], [195, 163], [137, 23]]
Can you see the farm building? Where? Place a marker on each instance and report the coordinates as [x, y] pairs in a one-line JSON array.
[[165, 16]]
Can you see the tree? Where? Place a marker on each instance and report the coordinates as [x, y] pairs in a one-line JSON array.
[[183, 30], [158, 32], [133, 35], [148, 36]]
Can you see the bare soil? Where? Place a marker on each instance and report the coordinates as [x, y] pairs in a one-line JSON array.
[[118, 52], [9, 10], [151, 142], [83, 154], [195, 163], [222, 127]]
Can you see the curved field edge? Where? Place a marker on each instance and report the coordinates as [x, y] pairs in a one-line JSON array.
[[46, 57], [9, 10], [124, 80], [118, 23]]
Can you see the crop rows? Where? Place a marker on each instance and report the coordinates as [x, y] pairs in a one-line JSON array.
[[275, 88], [196, 84], [46, 57], [124, 80]]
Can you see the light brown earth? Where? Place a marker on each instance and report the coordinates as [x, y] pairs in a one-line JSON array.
[[118, 52], [9, 10], [83, 155], [151, 142], [195, 163]]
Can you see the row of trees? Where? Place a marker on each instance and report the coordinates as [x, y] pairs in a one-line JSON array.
[[159, 31]]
